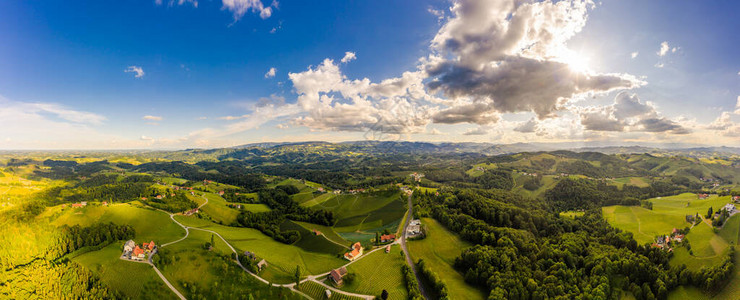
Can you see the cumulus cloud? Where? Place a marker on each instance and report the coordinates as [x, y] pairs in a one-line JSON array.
[[634, 54], [139, 72], [510, 57], [628, 113], [348, 56], [333, 102], [440, 14], [152, 118], [270, 73], [241, 7]]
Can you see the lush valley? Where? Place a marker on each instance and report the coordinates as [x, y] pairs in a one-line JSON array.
[[272, 222]]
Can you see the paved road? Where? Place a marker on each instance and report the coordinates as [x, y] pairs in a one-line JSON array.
[[290, 286], [409, 261]]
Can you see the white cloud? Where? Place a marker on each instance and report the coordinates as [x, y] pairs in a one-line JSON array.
[[241, 7], [348, 56], [440, 14], [135, 69], [659, 65], [664, 48], [152, 118], [270, 73], [510, 56], [146, 138], [737, 106], [634, 54], [480, 130], [628, 113]]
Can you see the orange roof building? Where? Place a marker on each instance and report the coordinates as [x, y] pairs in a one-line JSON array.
[[355, 253]]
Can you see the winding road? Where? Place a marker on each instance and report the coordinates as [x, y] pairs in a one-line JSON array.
[[409, 261], [290, 286]]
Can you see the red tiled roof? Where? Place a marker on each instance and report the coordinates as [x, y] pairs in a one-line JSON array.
[[386, 237], [138, 251], [151, 245]]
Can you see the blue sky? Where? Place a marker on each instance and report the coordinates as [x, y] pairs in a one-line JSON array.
[[416, 70]]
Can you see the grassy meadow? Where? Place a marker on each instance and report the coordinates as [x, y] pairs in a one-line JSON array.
[[439, 251], [282, 258]]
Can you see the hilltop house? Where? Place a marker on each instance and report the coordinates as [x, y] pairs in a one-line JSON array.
[[703, 196], [729, 207], [355, 253], [337, 274]]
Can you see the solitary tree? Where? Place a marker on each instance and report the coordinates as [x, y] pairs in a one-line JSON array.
[[384, 295], [212, 243], [709, 213], [377, 238], [297, 275]]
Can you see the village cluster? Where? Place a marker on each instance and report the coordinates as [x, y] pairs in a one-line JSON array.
[[132, 251]]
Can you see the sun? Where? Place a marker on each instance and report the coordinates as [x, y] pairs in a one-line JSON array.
[[577, 62]]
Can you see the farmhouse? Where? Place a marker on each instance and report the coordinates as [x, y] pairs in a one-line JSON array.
[[730, 208], [138, 253], [190, 212], [337, 274], [355, 253], [261, 264], [385, 238], [316, 232], [414, 228], [702, 196], [128, 247]]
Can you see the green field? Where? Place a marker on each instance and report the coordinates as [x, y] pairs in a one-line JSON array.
[[309, 241], [378, 271], [439, 251], [216, 207], [149, 224], [326, 231], [134, 280], [667, 213], [318, 200], [282, 258], [365, 211], [255, 208]]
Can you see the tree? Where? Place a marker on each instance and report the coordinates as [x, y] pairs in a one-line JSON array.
[[709, 213], [384, 295], [377, 238], [297, 275], [212, 243]]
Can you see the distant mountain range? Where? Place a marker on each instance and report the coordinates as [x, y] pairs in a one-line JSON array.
[[499, 149]]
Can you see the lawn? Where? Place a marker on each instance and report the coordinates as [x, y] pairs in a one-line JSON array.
[[439, 251], [282, 258], [119, 274], [667, 213], [378, 271], [150, 225]]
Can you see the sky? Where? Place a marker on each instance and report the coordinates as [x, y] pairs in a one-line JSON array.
[[158, 74]]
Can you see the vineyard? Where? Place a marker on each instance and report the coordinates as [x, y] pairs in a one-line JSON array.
[[318, 292]]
